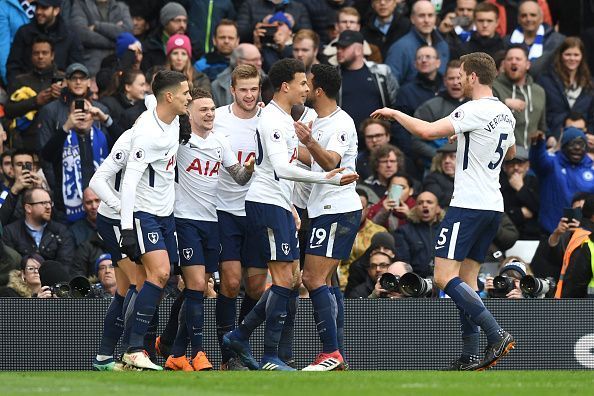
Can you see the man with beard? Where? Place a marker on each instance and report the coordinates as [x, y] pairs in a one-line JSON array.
[[174, 20], [561, 175]]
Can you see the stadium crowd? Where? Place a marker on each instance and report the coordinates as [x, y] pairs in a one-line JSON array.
[[57, 56]]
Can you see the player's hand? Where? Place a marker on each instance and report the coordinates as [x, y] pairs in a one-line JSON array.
[[384, 114], [303, 132], [453, 138], [129, 244], [344, 179], [249, 165]]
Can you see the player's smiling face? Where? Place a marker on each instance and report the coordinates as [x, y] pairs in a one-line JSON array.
[[246, 93], [181, 98], [298, 89], [202, 113]]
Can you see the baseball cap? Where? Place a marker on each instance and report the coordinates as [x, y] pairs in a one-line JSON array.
[[76, 67], [349, 37], [521, 155]]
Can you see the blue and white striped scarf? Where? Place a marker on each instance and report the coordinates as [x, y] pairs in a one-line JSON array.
[[517, 37]]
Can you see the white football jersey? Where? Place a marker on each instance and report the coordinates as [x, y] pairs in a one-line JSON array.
[[301, 191], [336, 132], [114, 166], [154, 143], [241, 134], [198, 165], [275, 134], [485, 129]]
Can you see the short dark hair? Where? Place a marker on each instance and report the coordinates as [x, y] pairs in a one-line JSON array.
[[284, 70], [486, 7], [7, 153], [28, 194], [42, 38], [579, 196], [22, 151], [519, 46], [575, 116], [362, 193], [409, 179], [167, 79], [588, 208], [481, 64], [28, 257], [327, 78]]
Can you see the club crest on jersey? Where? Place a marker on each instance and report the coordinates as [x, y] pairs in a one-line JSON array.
[[138, 154], [458, 115], [188, 253], [118, 156], [276, 135], [286, 248], [153, 237]]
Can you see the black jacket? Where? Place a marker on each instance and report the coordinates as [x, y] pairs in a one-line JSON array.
[[399, 27], [153, 51], [415, 245], [579, 270], [362, 290], [67, 47], [85, 256], [56, 243], [116, 104], [441, 185], [528, 197], [483, 44]]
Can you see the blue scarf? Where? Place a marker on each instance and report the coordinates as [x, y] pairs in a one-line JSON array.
[[537, 46], [72, 191]]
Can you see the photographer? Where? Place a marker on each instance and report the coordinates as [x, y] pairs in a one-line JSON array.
[[507, 284], [274, 38], [397, 269], [105, 287], [379, 262]]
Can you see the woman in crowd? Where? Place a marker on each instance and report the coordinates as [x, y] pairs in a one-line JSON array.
[[26, 282], [127, 88], [179, 58], [391, 211], [568, 85], [440, 180]]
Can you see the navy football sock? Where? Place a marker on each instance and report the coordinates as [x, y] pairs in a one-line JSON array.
[[226, 310], [468, 301], [129, 317], [182, 338], [470, 337], [276, 313], [151, 335], [113, 326], [195, 318], [254, 318], [247, 304], [339, 317], [285, 346], [326, 321], [145, 306], [168, 334]]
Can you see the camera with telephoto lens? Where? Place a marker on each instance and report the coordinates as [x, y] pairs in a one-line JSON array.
[[501, 286], [412, 285], [60, 290], [390, 282], [78, 287], [537, 287]]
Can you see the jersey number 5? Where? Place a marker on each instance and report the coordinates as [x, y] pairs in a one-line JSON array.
[[498, 150]]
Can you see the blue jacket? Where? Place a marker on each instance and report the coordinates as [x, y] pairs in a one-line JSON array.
[[558, 106], [559, 180], [12, 17], [401, 55]]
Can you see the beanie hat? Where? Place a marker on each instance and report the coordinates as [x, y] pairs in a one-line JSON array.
[[171, 11], [123, 41], [179, 41], [103, 257], [571, 133], [514, 265]]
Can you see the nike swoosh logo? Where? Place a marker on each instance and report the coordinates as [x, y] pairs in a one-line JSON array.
[[439, 247], [141, 314]]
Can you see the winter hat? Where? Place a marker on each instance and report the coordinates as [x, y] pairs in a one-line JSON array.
[[171, 11], [514, 265], [123, 41], [103, 257], [179, 41], [571, 133]]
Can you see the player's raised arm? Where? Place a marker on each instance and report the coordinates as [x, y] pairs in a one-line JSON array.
[[423, 129]]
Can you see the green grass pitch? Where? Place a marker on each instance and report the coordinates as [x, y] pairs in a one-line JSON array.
[[360, 383]]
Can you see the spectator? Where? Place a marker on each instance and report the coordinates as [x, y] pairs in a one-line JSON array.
[[305, 47], [485, 38], [47, 22], [174, 20], [402, 54], [323, 14], [127, 88], [457, 29], [140, 20], [392, 212], [568, 85], [561, 175], [37, 233], [440, 180], [465, 19], [250, 17], [437, 108], [348, 18], [225, 40], [379, 263], [277, 44], [526, 99], [520, 195], [25, 281], [203, 16], [179, 58], [375, 133], [85, 256], [13, 15], [514, 270], [10, 260], [99, 22], [129, 116], [539, 38], [31, 91], [83, 229], [385, 26], [415, 240], [26, 176], [7, 171], [244, 54], [397, 268], [366, 232], [362, 79], [385, 162], [75, 151], [362, 272], [105, 272]]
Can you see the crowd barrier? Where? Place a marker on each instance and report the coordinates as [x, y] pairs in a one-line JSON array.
[[407, 334]]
